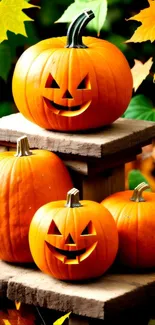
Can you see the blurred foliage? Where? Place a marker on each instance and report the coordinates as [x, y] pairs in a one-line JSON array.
[[135, 177], [115, 29], [140, 108]]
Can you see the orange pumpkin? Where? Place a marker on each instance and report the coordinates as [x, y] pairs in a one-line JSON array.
[[28, 180], [134, 216], [73, 240], [75, 86]]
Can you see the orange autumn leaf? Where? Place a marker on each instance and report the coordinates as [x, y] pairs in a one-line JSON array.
[[140, 71], [145, 32]]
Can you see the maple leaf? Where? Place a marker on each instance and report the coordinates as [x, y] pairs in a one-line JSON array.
[[145, 32], [12, 17], [140, 71]]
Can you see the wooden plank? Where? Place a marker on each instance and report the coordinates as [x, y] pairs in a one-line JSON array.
[[93, 299], [121, 135]]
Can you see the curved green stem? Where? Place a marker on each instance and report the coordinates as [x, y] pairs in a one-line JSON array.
[[75, 30]]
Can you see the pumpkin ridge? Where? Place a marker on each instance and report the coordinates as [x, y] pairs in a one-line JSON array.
[[111, 72], [27, 75], [14, 163], [92, 66], [5, 161], [25, 83]]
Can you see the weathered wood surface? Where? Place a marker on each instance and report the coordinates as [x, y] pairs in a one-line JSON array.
[[103, 296], [122, 134]]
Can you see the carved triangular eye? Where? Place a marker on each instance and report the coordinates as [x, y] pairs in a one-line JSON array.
[[84, 84], [89, 229], [51, 82], [54, 84], [53, 229], [69, 240], [85, 231]]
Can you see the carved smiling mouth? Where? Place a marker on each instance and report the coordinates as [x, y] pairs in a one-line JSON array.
[[66, 110], [71, 257]]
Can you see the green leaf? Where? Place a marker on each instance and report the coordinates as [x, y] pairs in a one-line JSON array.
[[99, 7], [61, 320], [140, 108], [5, 60], [7, 108], [135, 177]]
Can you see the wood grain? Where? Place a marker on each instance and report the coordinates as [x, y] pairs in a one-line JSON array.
[[122, 134]]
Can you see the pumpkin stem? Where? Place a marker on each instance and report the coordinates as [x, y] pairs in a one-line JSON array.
[[137, 194], [73, 199], [23, 147], [75, 29]]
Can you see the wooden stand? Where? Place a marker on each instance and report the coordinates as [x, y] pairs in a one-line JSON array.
[[95, 160]]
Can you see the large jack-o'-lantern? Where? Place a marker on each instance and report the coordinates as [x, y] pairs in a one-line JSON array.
[[75, 86], [73, 240]]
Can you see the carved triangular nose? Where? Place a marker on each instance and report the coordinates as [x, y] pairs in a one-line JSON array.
[[67, 95], [69, 240]]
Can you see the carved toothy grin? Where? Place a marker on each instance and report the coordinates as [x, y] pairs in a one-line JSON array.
[[71, 257]]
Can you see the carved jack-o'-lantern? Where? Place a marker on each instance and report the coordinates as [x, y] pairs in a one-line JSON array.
[[75, 86], [73, 240]]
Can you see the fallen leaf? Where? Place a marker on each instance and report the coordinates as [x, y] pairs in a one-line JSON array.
[[140, 71], [61, 320], [145, 32], [99, 7], [12, 17]]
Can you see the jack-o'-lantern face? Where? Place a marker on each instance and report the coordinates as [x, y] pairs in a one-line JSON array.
[[73, 240], [65, 101], [69, 250]]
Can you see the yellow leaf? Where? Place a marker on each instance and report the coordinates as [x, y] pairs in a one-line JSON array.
[[12, 17], [61, 320], [145, 32], [140, 71]]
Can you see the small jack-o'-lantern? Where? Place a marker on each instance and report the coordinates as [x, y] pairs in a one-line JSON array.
[[73, 240], [75, 86]]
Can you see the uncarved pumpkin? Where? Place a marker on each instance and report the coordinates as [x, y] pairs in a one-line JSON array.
[[65, 84], [73, 240], [28, 180], [134, 213]]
